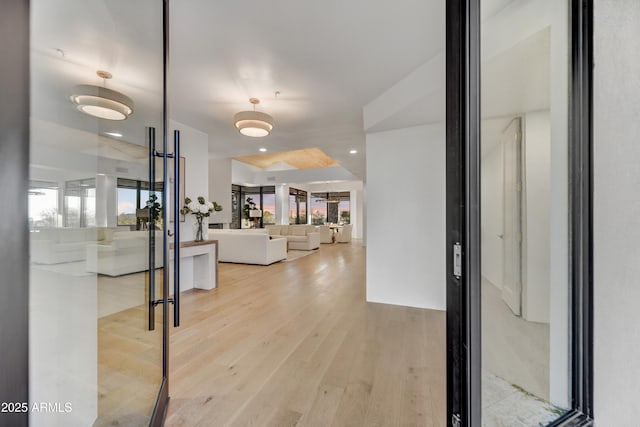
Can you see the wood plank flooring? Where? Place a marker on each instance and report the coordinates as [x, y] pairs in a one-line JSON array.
[[295, 344]]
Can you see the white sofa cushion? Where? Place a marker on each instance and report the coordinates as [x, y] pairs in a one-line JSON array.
[[274, 230], [127, 253], [297, 231], [302, 237]]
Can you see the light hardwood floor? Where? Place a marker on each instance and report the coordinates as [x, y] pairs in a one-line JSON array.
[[295, 343]]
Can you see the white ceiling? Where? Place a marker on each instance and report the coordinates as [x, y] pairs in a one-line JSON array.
[[328, 59]]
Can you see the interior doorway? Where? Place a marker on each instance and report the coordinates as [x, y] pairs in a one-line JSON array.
[[513, 186]]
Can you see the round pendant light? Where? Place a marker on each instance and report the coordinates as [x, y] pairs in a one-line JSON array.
[[98, 101], [253, 123]]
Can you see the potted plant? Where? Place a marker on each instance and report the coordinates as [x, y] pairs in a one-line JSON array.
[[201, 209], [251, 212], [155, 210]]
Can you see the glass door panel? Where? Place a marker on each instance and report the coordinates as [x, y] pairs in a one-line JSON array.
[[96, 89], [524, 211]]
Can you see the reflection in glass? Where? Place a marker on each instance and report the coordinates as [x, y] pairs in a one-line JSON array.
[[88, 282], [525, 336]]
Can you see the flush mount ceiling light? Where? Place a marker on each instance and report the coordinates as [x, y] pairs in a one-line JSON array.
[[98, 101], [253, 123]]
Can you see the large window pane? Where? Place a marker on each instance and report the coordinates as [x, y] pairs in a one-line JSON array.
[[250, 200], [127, 204], [133, 197], [268, 209], [302, 209], [43, 208], [293, 209], [331, 207], [344, 211], [297, 206], [318, 208]]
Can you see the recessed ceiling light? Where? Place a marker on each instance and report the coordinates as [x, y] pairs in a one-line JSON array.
[[114, 134], [263, 150], [353, 152]]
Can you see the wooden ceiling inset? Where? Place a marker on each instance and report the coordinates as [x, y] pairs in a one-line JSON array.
[[308, 158]]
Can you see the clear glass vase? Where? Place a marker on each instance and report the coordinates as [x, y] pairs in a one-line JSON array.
[[198, 231]]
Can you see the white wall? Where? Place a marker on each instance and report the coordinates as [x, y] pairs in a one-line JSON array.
[[282, 204], [106, 200], [194, 147], [357, 210], [537, 238], [406, 217], [220, 187], [617, 212], [243, 174]]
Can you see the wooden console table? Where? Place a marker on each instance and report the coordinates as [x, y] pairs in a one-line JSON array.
[[198, 265]]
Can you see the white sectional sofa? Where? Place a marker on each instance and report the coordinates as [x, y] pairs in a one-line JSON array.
[[60, 245], [249, 246], [127, 252], [301, 237]]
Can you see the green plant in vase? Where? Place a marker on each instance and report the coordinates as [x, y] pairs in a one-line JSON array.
[[201, 209]]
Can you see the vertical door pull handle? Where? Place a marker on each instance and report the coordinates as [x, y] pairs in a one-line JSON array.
[[176, 227], [151, 224]]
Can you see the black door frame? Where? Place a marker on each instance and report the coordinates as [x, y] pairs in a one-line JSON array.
[[463, 213], [162, 401]]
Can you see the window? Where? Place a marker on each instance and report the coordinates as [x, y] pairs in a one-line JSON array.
[[344, 212], [132, 197], [80, 203], [297, 206], [250, 200], [318, 208], [333, 207], [264, 198], [43, 205], [268, 206]]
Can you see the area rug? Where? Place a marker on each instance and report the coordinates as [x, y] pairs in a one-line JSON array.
[[293, 255]]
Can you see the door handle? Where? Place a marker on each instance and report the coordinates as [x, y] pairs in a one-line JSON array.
[[151, 135], [176, 228]]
